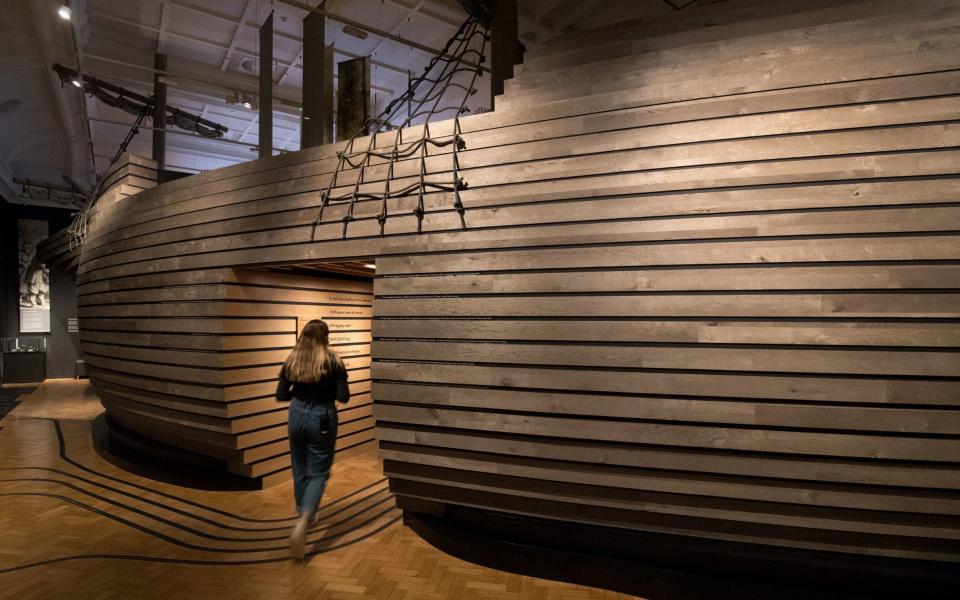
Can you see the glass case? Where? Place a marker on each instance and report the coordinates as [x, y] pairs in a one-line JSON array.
[[31, 343]]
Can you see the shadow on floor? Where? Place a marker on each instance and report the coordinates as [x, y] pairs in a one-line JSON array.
[[8, 398], [145, 457], [666, 567]]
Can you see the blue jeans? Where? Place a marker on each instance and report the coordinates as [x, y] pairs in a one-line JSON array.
[[313, 435]]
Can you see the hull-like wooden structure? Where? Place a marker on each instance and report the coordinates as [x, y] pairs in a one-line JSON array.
[[708, 287]]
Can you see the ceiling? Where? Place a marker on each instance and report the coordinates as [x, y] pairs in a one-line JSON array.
[[212, 50]]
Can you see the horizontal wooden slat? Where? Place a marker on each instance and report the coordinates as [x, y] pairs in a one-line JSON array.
[[795, 305], [688, 279], [872, 390], [867, 248], [756, 440], [819, 360], [825, 333], [800, 416], [660, 486], [684, 461], [547, 502]]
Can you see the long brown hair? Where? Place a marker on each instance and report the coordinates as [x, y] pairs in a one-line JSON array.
[[311, 359]]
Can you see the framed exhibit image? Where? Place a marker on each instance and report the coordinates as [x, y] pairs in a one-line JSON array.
[[34, 278]]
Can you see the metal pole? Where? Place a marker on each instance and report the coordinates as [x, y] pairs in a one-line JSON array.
[[265, 141], [159, 113]]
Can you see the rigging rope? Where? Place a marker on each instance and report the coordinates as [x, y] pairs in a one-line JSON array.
[[78, 226], [421, 99]]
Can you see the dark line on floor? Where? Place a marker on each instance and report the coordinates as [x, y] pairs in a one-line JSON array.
[[175, 541], [186, 561], [63, 455], [177, 510], [197, 532]]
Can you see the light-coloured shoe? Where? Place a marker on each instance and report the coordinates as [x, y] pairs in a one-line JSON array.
[[298, 540]]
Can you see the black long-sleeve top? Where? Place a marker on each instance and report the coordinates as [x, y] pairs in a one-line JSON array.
[[332, 386]]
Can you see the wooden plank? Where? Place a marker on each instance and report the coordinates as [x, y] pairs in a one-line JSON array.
[[359, 383], [913, 363], [722, 252], [164, 386], [192, 341], [690, 279], [537, 503], [210, 325], [873, 390], [854, 333], [227, 292], [824, 443], [683, 462], [222, 309], [658, 489], [926, 305], [707, 411]]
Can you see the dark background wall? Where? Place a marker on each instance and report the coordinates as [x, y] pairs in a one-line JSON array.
[[62, 347]]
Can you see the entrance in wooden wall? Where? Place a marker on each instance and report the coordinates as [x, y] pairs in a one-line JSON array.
[[211, 406], [341, 294]]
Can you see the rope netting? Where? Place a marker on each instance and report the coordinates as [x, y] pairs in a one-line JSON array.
[[455, 70], [80, 222]]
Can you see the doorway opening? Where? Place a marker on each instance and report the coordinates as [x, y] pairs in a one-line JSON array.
[[340, 294]]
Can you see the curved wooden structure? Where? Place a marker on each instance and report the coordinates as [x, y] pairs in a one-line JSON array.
[[708, 287]]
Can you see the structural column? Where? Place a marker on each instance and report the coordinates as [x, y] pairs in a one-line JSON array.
[[353, 97], [159, 111], [265, 140], [316, 127]]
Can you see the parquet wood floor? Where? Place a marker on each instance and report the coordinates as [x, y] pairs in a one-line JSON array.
[[76, 526]]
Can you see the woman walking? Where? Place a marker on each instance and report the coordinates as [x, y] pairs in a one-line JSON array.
[[312, 377]]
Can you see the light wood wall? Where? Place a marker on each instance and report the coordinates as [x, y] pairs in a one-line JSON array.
[[195, 364], [708, 285]]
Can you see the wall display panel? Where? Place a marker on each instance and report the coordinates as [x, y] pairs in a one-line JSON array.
[[34, 289]]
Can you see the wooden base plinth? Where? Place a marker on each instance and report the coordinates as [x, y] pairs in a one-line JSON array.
[[145, 456]]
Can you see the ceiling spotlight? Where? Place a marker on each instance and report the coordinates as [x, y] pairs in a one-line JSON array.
[[355, 31], [247, 104], [77, 83], [64, 12]]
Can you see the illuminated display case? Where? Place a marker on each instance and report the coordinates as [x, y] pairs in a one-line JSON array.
[[33, 343], [24, 359]]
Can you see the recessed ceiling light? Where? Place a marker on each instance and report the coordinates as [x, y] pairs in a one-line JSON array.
[[370, 265], [65, 12], [247, 104], [77, 83], [355, 31]]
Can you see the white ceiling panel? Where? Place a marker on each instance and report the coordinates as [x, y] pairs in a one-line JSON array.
[[212, 48]]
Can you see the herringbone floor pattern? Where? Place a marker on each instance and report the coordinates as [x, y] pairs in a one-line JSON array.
[[76, 526]]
